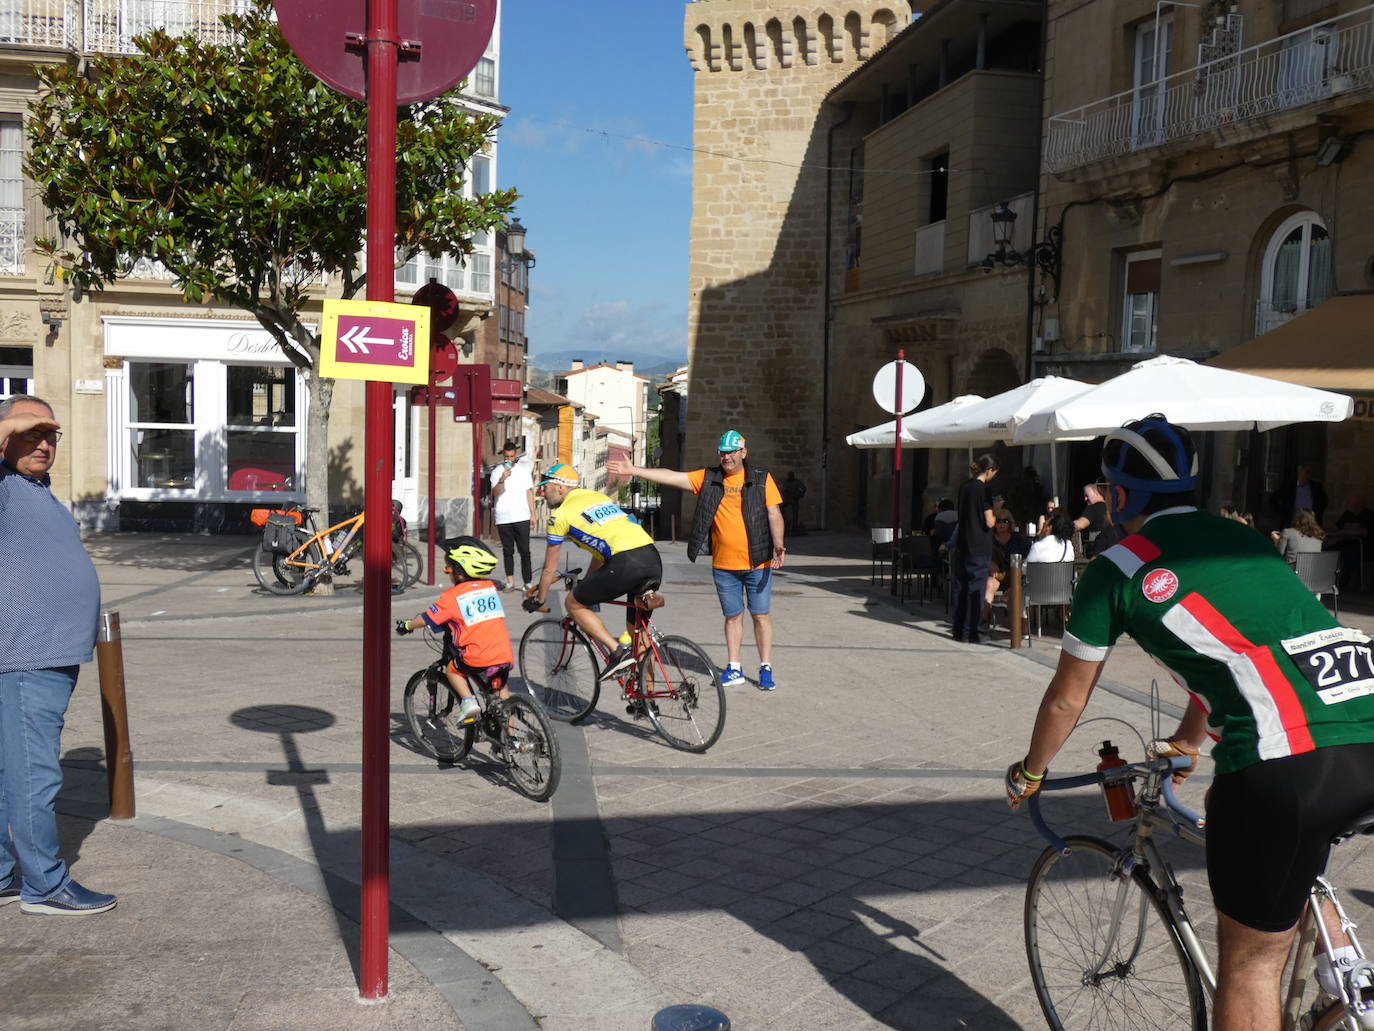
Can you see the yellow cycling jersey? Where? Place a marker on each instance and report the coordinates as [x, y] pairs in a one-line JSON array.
[[595, 522]]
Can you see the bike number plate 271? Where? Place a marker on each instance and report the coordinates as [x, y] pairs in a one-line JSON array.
[[480, 606], [1338, 663]]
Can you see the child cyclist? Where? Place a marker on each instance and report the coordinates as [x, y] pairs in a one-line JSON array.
[[471, 609]]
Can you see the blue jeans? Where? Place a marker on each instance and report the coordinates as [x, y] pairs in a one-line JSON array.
[[33, 707], [733, 585], [970, 576]]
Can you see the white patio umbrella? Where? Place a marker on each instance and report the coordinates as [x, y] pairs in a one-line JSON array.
[[884, 436], [1199, 397], [1000, 416]]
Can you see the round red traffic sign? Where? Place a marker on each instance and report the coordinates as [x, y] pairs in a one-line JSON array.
[[442, 302], [329, 37]]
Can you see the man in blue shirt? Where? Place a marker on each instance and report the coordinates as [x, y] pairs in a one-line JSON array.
[[50, 595]]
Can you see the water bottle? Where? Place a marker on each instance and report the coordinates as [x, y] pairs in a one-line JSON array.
[[1120, 798]]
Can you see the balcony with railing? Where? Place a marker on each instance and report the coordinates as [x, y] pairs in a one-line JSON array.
[[1305, 67], [109, 26]]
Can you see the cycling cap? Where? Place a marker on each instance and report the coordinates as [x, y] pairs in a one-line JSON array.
[[730, 440], [1147, 457], [471, 556], [560, 472]]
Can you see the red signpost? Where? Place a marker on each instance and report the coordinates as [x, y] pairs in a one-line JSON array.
[[441, 41]]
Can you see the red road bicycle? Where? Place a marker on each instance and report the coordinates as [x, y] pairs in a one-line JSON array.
[[672, 683]]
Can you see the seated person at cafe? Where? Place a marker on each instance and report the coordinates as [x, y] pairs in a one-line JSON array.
[[1353, 526], [1055, 546], [1303, 537], [1006, 542]]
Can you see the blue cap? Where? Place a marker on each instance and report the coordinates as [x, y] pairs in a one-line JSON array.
[[730, 440]]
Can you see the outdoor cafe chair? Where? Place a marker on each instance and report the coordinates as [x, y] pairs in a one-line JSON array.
[[1046, 584], [881, 555], [1319, 571], [917, 563]]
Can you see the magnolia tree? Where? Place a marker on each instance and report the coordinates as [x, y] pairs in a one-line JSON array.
[[245, 176]]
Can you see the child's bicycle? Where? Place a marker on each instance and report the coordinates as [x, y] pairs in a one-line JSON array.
[[1111, 946], [520, 735], [291, 558], [672, 681]]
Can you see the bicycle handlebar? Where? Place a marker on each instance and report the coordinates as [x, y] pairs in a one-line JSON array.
[[567, 576], [1177, 808]]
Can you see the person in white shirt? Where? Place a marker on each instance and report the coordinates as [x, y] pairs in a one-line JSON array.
[[512, 491], [1055, 546]]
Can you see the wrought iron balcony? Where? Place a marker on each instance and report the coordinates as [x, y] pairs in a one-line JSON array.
[[1300, 68], [109, 26]]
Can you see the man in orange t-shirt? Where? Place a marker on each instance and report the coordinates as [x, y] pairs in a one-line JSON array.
[[739, 520]]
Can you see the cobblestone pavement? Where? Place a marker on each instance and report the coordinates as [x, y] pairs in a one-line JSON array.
[[841, 858]]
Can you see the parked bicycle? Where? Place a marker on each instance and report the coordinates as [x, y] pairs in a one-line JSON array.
[[1110, 943], [672, 681], [521, 738], [292, 558]]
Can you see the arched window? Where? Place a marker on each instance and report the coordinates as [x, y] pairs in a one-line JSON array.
[[1296, 274]]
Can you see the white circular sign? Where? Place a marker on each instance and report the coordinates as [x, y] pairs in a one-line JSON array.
[[885, 388]]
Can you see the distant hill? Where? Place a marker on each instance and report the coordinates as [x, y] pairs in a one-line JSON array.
[[646, 364]]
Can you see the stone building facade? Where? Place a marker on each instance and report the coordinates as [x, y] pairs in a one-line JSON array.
[[1211, 169], [849, 159]]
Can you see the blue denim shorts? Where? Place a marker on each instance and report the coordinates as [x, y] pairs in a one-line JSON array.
[[732, 585]]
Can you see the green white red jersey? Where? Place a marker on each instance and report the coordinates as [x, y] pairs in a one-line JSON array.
[[1213, 603]]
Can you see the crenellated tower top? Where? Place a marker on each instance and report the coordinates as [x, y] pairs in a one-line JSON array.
[[756, 35]]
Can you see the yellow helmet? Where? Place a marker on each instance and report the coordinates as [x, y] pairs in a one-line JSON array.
[[470, 555]]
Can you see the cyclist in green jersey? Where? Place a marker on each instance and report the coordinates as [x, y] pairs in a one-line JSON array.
[[624, 559], [1287, 691]]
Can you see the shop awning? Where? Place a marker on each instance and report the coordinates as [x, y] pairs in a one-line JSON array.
[[1330, 347]]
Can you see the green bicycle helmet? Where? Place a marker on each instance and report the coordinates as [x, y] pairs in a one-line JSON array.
[[471, 556]]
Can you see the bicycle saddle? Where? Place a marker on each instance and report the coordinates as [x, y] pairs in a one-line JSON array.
[[646, 595], [1362, 824]]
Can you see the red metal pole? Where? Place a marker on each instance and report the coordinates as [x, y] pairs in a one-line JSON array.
[[897, 469], [433, 433], [477, 479], [383, 42]]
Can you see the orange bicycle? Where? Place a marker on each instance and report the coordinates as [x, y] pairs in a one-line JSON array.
[[291, 558], [672, 681]]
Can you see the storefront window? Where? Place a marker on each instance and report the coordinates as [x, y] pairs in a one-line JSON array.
[[260, 430], [162, 431]]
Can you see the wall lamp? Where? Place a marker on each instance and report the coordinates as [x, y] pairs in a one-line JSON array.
[[515, 248], [1044, 256]]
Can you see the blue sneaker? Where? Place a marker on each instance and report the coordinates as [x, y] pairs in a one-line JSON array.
[[73, 900], [731, 677], [766, 678], [10, 892]]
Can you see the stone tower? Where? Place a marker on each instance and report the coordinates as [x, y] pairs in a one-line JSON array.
[[758, 273]]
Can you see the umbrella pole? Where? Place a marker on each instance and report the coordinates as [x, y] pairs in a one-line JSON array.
[[897, 472], [1054, 470]]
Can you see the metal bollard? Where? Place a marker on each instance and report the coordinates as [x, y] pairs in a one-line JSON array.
[[119, 759], [1014, 605]]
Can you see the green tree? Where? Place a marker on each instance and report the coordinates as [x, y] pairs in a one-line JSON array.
[[245, 176]]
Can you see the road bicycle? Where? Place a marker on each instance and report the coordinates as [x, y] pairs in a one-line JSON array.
[[294, 570], [1110, 943], [521, 737], [672, 681]]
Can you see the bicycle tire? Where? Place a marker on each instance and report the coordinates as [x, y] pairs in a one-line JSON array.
[[560, 670], [413, 562], [1151, 982], [682, 694], [530, 749], [292, 573], [433, 717]]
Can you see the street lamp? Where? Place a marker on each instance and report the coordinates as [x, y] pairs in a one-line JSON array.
[[1044, 256], [515, 248]]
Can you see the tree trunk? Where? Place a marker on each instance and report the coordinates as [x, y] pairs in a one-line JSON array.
[[317, 458]]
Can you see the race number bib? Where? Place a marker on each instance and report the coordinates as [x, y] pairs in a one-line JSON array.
[[603, 513], [1338, 663], [479, 606]]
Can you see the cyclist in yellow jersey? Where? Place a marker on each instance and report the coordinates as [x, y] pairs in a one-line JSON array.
[[624, 558]]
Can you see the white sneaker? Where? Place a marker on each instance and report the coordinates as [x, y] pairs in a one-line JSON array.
[[469, 711]]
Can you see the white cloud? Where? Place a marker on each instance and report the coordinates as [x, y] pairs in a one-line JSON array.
[[612, 329]]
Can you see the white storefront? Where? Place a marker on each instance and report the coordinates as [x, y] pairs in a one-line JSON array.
[[200, 410]]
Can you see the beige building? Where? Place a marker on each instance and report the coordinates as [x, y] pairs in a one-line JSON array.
[[852, 157], [616, 395], [1211, 169], [184, 416]]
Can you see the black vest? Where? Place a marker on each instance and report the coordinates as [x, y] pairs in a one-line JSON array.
[[753, 504]]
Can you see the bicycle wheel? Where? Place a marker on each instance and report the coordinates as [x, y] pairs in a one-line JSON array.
[[411, 561], [529, 748], [292, 573], [431, 706], [1330, 1014], [1146, 981], [559, 668], [682, 694]]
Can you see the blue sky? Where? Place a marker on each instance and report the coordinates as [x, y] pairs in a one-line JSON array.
[[607, 214]]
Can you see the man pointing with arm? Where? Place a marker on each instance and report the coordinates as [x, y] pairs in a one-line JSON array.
[[739, 521]]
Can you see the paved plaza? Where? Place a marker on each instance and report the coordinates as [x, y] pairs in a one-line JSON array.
[[841, 859]]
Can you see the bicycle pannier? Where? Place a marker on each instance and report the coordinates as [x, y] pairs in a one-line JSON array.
[[279, 533]]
